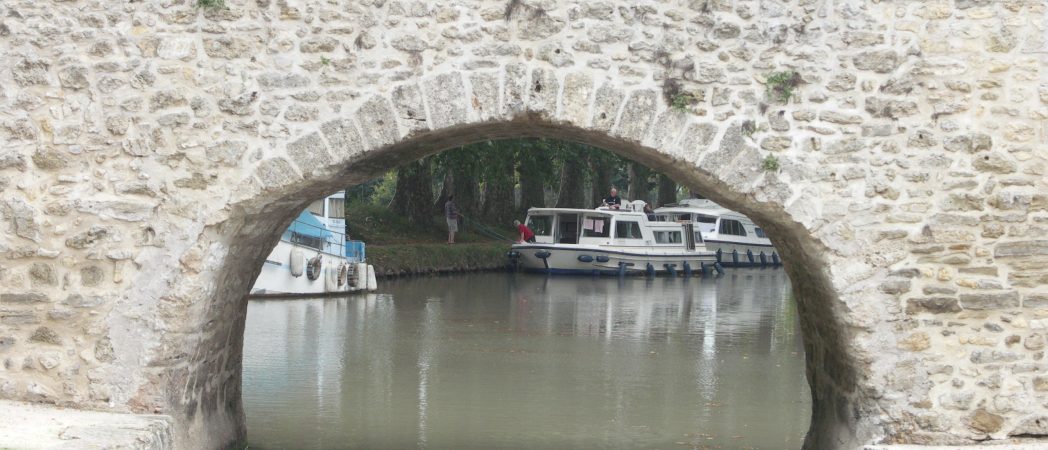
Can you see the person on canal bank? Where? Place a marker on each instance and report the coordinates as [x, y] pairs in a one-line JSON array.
[[451, 213], [613, 201], [526, 235]]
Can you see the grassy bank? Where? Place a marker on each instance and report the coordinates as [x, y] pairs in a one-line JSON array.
[[397, 247], [417, 259]]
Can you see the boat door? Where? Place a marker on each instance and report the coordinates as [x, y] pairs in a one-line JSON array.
[[567, 229]]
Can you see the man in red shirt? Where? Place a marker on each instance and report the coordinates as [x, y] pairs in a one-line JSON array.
[[525, 234]]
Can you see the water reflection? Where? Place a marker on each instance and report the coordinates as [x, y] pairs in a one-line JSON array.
[[512, 361]]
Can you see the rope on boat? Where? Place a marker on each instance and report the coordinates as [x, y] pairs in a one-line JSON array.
[[486, 231]]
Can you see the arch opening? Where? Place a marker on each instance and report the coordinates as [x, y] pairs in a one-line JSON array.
[[837, 404]]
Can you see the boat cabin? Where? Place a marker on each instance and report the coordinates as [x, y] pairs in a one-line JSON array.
[[627, 227]]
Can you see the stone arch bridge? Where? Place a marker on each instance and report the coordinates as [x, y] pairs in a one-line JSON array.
[[153, 150]]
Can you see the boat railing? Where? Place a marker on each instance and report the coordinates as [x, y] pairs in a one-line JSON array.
[[326, 240]]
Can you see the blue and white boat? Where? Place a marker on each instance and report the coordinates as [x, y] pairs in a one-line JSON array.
[[736, 240], [610, 241], [314, 256]]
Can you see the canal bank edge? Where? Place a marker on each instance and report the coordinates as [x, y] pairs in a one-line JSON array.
[[425, 259], [36, 425]]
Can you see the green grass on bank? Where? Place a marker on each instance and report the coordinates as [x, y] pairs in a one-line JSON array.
[[437, 258], [378, 226]]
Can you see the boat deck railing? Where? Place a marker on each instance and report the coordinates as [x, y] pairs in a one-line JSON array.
[[325, 240]]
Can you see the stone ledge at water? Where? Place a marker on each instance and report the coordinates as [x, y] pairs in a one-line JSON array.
[[38, 426]]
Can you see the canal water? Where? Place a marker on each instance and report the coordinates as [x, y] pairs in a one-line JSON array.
[[524, 361]]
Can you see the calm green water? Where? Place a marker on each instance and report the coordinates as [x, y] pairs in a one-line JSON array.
[[525, 361]]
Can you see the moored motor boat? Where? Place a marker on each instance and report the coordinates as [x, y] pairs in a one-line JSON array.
[[737, 241], [313, 257], [610, 241]]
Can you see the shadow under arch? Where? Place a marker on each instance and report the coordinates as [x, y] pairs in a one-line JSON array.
[[841, 412]]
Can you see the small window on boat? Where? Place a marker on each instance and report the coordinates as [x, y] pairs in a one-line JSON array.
[[734, 227], [759, 232], [627, 230], [317, 208], [596, 227], [698, 237], [336, 208], [667, 237], [706, 219], [541, 225]]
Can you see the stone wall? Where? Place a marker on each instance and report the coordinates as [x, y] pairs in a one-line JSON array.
[[152, 151]]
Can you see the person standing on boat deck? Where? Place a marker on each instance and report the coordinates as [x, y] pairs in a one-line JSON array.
[[526, 235], [613, 201], [451, 212], [650, 212]]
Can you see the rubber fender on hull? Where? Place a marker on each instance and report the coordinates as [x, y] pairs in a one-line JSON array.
[[331, 279], [372, 281], [313, 268], [343, 274], [362, 277], [602, 258], [585, 258], [298, 262]]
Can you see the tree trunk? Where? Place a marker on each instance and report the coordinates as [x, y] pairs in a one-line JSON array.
[[572, 183], [499, 207], [638, 182], [602, 172], [667, 190], [414, 192], [532, 192]]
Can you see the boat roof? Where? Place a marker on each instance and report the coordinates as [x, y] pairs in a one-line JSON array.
[[698, 206], [607, 212]]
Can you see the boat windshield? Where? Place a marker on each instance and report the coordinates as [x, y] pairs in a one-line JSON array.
[[541, 225]]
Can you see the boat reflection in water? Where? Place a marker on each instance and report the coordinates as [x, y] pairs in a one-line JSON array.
[[518, 361]]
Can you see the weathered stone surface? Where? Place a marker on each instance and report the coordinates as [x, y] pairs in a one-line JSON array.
[[986, 422], [606, 107], [22, 218], [226, 153], [45, 335], [935, 305], [1021, 248], [880, 61], [995, 300], [165, 142], [23, 298], [379, 125], [637, 114]]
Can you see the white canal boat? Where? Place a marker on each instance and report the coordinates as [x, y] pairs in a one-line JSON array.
[[735, 239], [608, 241], [315, 257]]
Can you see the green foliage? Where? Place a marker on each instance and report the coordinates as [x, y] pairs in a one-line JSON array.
[[781, 85], [682, 101], [770, 163], [748, 128], [211, 4], [383, 189], [324, 61]]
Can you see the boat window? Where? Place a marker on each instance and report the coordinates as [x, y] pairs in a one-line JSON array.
[[317, 208], [667, 237], [336, 208], [541, 225], [698, 237], [759, 232], [706, 219], [728, 226], [627, 230], [596, 226]]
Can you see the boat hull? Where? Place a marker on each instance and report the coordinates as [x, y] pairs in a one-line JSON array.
[[276, 277], [591, 259]]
